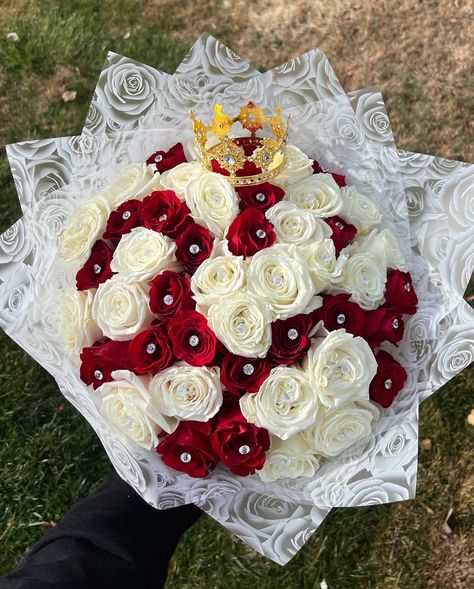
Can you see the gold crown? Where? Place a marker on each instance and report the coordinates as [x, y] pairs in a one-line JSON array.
[[266, 153]]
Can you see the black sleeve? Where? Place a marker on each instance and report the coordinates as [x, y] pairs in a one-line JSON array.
[[111, 539]]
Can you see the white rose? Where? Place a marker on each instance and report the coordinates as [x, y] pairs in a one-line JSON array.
[[127, 404], [180, 176], [142, 253], [340, 367], [85, 224], [285, 404], [363, 275], [137, 181], [320, 258], [359, 210], [297, 166], [383, 245], [212, 201], [187, 392], [242, 322], [121, 308], [217, 277], [318, 194], [295, 225], [291, 458], [340, 428], [78, 327], [279, 276]]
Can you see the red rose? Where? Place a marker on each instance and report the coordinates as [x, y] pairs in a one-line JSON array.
[[339, 178], [170, 292], [242, 375], [188, 448], [290, 339], [150, 350], [100, 360], [261, 196], [240, 445], [123, 220], [339, 313], [165, 160], [382, 325], [342, 232], [250, 232], [388, 381], [97, 268], [194, 246], [162, 211], [400, 296], [193, 340]]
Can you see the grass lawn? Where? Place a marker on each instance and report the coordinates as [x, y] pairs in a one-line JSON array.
[[50, 457]]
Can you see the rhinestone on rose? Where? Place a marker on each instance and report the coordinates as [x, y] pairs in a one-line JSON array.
[[193, 341], [407, 287], [388, 383], [292, 333], [244, 449], [130, 423], [248, 369], [396, 324], [97, 269], [185, 457], [217, 199], [158, 158], [126, 215], [341, 318], [194, 248], [163, 217], [222, 275], [241, 328], [168, 299], [278, 281], [288, 397], [260, 197], [339, 225], [98, 375], [260, 233], [181, 390], [309, 199], [151, 348]]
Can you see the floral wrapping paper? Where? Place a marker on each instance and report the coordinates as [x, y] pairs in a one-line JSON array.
[[434, 218]]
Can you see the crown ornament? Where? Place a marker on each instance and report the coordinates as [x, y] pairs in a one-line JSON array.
[[234, 154]]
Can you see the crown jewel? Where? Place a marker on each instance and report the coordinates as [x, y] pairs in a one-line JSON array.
[[234, 154]]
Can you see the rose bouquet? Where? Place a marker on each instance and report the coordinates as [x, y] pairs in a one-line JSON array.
[[252, 335]]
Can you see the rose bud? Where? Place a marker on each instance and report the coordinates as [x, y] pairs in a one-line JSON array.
[[150, 350], [97, 268], [388, 381], [240, 445], [100, 360], [123, 220], [342, 232], [162, 211], [250, 232], [188, 448], [192, 338], [242, 375], [400, 296], [339, 178], [169, 293], [382, 325], [338, 312], [194, 246], [290, 339], [165, 160], [261, 196]]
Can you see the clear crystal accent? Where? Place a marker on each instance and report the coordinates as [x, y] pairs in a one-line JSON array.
[[98, 375], [130, 423], [288, 397], [194, 248], [150, 349], [97, 269], [260, 233], [292, 333], [388, 383], [407, 287], [278, 281], [181, 390], [158, 158], [260, 197], [309, 198], [396, 324], [185, 457], [339, 225], [126, 215], [265, 157], [217, 199], [248, 369], [168, 299], [222, 274], [229, 159], [244, 449], [341, 318], [193, 341], [163, 217], [326, 257], [241, 328]]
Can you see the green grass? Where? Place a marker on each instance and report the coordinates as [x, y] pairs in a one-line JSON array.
[[49, 455]]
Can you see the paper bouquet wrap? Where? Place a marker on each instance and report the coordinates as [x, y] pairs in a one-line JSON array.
[[244, 287]]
